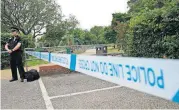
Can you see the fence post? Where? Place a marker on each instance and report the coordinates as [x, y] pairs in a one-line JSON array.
[[49, 57], [25, 60]]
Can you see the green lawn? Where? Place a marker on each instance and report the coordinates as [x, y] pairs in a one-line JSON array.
[[112, 50], [35, 62], [78, 52]]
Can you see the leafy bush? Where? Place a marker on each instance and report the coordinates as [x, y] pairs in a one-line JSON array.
[[158, 34], [153, 31]]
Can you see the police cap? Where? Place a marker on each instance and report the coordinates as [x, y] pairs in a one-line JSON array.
[[13, 29]]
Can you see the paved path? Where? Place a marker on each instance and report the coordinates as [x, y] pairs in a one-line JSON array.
[[18, 95], [6, 74], [75, 91], [89, 52]]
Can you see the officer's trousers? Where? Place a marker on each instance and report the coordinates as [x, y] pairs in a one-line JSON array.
[[16, 62]]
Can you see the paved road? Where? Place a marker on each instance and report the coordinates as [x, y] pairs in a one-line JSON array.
[[17, 95], [76, 91]]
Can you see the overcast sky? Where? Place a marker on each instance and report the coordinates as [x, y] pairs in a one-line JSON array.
[[92, 12]]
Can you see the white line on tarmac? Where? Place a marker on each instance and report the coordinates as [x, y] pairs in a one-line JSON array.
[[47, 100], [84, 92]]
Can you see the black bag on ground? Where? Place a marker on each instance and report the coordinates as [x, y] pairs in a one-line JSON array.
[[32, 75]]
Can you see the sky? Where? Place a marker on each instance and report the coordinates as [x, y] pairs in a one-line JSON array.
[[92, 12]]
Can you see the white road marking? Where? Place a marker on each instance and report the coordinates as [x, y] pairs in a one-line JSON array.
[[47, 100], [84, 92]]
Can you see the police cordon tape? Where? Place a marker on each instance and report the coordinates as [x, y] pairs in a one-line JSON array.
[[159, 77]]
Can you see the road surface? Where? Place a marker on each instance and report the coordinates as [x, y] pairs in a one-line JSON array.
[[75, 91]]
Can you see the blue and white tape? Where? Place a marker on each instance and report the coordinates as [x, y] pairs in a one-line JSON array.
[[44, 56], [61, 59], [159, 77]]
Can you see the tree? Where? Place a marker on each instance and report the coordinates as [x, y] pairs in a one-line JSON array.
[[110, 35], [78, 36], [154, 30], [30, 15], [120, 27], [61, 32], [88, 38], [70, 23], [98, 32], [137, 6], [54, 34]]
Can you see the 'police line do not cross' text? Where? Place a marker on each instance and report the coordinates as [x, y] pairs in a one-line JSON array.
[[137, 74]]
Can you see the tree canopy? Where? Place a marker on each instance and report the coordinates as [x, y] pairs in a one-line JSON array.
[[152, 28], [30, 16]]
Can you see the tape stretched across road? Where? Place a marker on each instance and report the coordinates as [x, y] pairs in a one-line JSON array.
[[159, 77]]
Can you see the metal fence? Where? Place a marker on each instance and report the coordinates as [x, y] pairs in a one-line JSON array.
[[57, 49]]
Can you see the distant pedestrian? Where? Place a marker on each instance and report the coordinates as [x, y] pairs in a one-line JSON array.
[[13, 46]]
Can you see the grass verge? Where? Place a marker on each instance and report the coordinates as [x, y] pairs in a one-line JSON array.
[[35, 62], [112, 50]]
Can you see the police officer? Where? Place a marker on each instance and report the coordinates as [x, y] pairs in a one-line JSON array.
[[13, 46]]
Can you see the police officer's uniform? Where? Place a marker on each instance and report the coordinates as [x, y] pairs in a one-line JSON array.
[[16, 58]]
